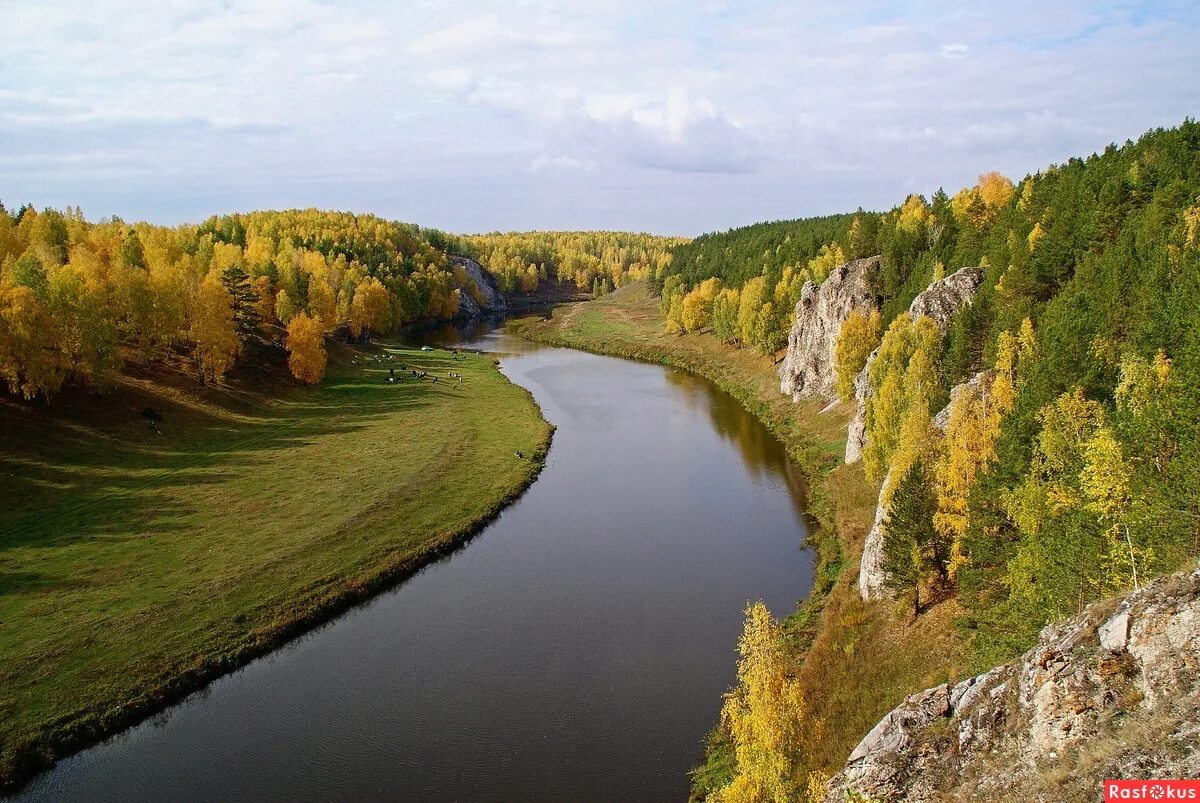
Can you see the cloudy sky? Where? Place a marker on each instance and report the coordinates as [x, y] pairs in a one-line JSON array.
[[672, 117]]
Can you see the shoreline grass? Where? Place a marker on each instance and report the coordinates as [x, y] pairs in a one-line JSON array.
[[136, 567]]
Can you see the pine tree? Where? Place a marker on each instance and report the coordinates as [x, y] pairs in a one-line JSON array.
[[912, 548]]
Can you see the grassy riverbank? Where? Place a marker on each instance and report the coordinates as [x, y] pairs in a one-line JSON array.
[[137, 564], [856, 660]]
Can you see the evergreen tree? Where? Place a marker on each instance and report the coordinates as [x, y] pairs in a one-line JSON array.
[[912, 548]]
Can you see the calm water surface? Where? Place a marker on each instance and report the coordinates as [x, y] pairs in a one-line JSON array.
[[577, 649]]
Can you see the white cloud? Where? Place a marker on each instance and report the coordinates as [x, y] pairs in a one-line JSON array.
[[647, 115], [556, 163]]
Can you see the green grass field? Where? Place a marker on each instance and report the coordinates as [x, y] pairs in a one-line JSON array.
[[135, 565]]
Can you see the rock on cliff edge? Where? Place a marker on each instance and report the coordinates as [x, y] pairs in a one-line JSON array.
[[939, 301], [488, 300], [1111, 693], [808, 368]]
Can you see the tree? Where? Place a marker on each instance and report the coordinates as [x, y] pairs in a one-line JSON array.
[[857, 338], [767, 717], [132, 254], [285, 307], [28, 271], [29, 362], [749, 309], [697, 305], [905, 376], [306, 348], [912, 548], [723, 318], [322, 305], [976, 417], [369, 309], [213, 330], [245, 300]]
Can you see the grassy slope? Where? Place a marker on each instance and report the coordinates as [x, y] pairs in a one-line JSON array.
[[857, 661], [134, 565]]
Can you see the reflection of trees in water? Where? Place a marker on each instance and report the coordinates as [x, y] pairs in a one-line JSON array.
[[761, 451], [449, 333]]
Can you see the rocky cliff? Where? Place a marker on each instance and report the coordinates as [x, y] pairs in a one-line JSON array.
[[808, 368], [939, 301], [1111, 693], [487, 300]]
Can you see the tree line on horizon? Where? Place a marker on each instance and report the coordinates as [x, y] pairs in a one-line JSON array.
[[596, 261]]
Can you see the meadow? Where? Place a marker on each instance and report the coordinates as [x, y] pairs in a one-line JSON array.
[[163, 531]]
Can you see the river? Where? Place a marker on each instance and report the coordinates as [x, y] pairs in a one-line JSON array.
[[576, 649]]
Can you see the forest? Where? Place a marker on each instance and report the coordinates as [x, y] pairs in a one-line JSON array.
[[596, 261], [1069, 472], [78, 299]]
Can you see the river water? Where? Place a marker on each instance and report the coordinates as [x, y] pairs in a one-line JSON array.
[[577, 649]]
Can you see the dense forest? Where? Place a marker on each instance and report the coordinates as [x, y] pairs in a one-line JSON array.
[[1069, 471], [1069, 467], [598, 261], [78, 298], [744, 283]]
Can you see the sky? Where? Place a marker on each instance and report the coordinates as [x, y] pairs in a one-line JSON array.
[[669, 117]]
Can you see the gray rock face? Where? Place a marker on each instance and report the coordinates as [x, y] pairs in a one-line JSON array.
[[870, 568], [939, 301], [492, 303], [808, 368], [1088, 682]]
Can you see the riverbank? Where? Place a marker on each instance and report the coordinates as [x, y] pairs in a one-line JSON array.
[[142, 554], [855, 660]]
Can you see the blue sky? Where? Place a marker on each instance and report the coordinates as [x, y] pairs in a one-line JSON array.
[[672, 117]]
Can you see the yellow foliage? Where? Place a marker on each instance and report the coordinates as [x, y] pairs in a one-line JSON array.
[[29, 364], [322, 305], [977, 206], [285, 307], [1035, 235], [995, 189], [213, 329], [697, 305], [829, 257], [904, 374], [913, 214], [369, 309], [857, 338], [306, 348], [767, 717], [1191, 222], [976, 417]]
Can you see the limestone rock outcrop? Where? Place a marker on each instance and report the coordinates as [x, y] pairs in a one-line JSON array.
[[1115, 689], [940, 300], [491, 300], [808, 368]]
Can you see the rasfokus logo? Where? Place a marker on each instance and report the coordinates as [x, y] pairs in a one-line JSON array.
[[1151, 790]]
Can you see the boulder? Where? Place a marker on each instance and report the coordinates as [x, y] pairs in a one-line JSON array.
[[1114, 689]]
